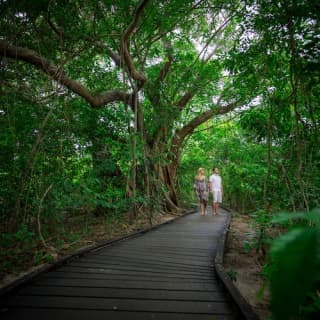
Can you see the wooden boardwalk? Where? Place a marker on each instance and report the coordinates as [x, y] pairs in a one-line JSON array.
[[167, 273]]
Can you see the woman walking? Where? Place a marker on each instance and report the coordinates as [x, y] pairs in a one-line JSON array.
[[201, 190]]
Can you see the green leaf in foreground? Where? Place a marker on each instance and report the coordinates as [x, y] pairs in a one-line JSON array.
[[296, 270], [311, 217]]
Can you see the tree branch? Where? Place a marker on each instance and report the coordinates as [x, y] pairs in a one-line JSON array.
[[169, 60], [194, 123], [135, 20], [185, 99], [190, 94], [133, 72], [57, 73]]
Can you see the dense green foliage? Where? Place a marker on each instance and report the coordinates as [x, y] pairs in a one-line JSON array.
[[108, 108]]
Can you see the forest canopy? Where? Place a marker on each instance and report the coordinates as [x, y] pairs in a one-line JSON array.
[[110, 88], [102, 94]]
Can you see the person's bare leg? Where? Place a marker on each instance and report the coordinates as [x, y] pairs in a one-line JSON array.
[[212, 208], [216, 204], [202, 208], [217, 207]]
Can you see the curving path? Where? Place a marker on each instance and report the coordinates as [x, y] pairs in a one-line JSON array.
[[167, 273]]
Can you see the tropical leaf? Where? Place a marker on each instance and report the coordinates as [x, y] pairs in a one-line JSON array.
[[312, 217], [296, 270]]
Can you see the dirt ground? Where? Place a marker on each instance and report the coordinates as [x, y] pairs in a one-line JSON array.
[[244, 264]]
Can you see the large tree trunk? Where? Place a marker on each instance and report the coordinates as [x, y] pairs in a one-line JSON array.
[[169, 181], [165, 174]]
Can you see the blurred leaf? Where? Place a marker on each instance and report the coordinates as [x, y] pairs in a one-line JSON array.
[[312, 216], [296, 269]]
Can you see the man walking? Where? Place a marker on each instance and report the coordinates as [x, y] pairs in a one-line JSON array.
[[215, 186]]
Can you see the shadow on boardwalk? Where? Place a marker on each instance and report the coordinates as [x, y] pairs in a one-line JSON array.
[[167, 273]]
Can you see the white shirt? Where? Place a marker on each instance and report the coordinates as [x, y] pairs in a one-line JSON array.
[[215, 181]]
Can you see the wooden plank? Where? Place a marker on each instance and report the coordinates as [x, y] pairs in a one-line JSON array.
[[180, 237], [151, 257], [147, 246], [159, 249], [150, 252], [112, 274], [188, 237], [141, 263], [171, 240], [177, 260], [125, 277], [167, 242], [145, 294], [154, 263], [159, 256], [65, 314], [127, 265], [85, 303], [208, 286], [139, 268], [170, 246]]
